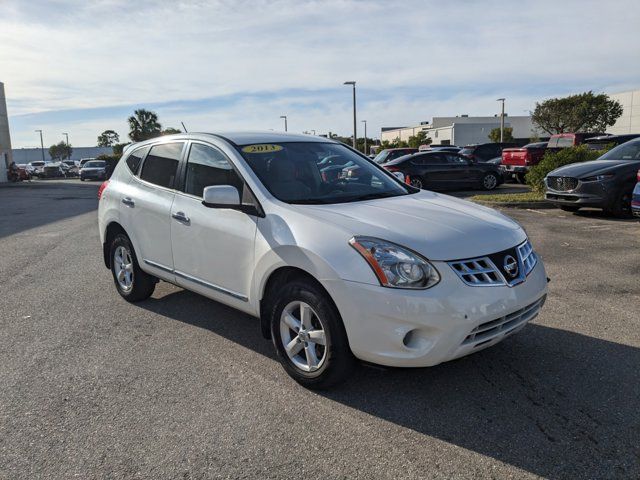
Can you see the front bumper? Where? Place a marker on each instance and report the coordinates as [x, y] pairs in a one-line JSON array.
[[420, 328], [586, 194]]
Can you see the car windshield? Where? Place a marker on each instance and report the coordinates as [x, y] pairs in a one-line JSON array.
[[381, 157], [96, 164], [318, 173], [626, 151]]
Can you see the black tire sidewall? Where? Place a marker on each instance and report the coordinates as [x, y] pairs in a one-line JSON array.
[[339, 359], [143, 283]]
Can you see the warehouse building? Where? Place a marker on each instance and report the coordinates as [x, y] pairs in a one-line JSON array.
[[30, 154], [465, 130], [629, 121], [5, 139]]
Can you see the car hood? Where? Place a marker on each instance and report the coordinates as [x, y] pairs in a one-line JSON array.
[[440, 227], [594, 167]]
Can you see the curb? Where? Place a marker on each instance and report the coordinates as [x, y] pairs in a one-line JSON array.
[[540, 205]]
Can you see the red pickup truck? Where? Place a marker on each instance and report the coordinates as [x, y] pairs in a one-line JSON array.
[[517, 161]]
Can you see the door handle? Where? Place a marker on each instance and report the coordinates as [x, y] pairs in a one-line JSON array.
[[128, 202], [181, 217]]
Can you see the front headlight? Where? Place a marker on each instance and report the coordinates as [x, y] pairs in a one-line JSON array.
[[396, 266], [598, 178]]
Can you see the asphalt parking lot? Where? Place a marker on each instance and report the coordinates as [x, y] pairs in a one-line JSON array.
[[180, 386]]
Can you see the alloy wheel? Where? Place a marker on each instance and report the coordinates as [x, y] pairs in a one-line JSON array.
[[123, 267], [490, 182], [416, 182], [303, 336]]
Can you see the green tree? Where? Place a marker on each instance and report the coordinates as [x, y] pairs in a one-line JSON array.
[[144, 125], [119, 147], [171, 131], [585, 112], [494, 134], [108, 138], [420, 138], [60, 151]]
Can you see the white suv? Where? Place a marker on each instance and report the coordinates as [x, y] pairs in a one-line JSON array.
[[336, 267]]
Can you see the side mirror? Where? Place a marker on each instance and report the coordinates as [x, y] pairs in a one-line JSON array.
[[220, 196]]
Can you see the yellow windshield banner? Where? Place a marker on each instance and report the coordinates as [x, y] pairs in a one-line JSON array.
[[262, 148]]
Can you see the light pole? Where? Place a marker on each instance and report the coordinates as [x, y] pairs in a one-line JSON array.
[[355, 124], [314, 132], [365, 136], [501, 120], [285, 121], [67, 137], [41, 144]]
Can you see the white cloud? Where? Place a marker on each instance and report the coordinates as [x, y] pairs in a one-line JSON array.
[[413, 58]]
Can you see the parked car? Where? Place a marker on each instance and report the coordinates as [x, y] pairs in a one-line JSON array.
[[94, 170], [604, 141], [605, 183], [565, 140], [84, 160], [444, 171], [635, 199], [517, 161], [70, 168], [52, 170], [36, 167], [335, 270], [483, 152], [389, 154]]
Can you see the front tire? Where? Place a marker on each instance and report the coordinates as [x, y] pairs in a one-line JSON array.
[[309, 336], [131, 282], [490, 181], [621, 207]]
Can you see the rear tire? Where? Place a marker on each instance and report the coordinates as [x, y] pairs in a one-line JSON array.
[[417, 182], [131, 282], [490, 181], [310, 363]]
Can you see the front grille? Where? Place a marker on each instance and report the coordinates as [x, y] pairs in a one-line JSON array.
[[562, 184], [488, 331], [491, 270]]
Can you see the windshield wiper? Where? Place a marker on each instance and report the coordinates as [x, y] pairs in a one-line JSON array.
[[372, 196]]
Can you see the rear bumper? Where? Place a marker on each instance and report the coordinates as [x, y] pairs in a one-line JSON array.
[[507, 169]]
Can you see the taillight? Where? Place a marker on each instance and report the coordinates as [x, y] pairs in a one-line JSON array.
[[102, 188], [638, 176], [392, 169]]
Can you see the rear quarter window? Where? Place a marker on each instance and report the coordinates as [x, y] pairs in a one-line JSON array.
[[135, 159]]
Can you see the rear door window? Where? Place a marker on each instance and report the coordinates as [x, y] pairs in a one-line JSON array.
[[161, 165]]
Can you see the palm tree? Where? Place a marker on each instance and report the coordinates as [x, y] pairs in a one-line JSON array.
[[143, 125]]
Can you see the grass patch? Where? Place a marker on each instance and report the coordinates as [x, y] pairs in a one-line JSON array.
[[509, 197]]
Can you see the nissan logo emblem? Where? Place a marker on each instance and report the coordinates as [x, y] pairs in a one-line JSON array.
[[510, 266]]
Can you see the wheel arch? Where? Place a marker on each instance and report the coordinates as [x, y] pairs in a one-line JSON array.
[[278, 277], [113, 229]]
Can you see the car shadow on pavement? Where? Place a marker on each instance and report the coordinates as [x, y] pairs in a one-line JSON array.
[[552, 402], [29, 205]]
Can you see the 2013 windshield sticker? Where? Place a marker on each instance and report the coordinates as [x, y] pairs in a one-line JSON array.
[[262, 148]]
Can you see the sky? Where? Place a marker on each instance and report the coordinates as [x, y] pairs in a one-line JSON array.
[[83, 66]]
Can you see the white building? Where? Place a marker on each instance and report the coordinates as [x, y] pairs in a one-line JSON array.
[[464, 130], [629, 122], [5, 138], [26, 155]]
